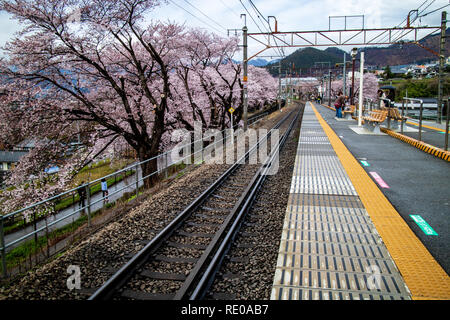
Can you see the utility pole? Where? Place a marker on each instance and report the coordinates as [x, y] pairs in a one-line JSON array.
[[287, 87], [279, 85], [290, 83], [441, 65], [245, 80], [352, 98], [329, 87], [361, 91], [345, 75]]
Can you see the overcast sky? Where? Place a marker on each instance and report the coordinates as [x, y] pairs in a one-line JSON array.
[[292, 15]]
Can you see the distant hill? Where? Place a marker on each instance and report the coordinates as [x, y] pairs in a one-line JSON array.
[[259, 62], [396, 54], [305, 58], [409, 53]]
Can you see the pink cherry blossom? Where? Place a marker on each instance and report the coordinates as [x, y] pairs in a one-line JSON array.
[[94, 71]]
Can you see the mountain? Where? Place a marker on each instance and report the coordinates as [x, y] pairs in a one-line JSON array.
[[408, 53], [259, 62], [305, 58], [339, 53], [396, 54]]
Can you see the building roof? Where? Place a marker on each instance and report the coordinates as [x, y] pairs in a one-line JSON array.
[[296, 81], [11, 156], [26, 144]]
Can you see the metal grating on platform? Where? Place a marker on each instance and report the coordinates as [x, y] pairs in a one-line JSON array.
[[330, 249]]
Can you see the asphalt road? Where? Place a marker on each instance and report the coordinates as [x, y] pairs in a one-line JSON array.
[[418, 182]]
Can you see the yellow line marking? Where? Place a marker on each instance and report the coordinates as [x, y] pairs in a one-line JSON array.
[[437, 152], [425, 126], [424, 277]]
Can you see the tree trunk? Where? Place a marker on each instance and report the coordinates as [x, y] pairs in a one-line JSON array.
[[148, 167]]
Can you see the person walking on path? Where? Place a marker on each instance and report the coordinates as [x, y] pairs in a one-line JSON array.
[[339, 104], [105, 191], [82, 193]]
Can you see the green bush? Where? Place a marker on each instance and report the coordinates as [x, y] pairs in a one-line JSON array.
[[419, 88]]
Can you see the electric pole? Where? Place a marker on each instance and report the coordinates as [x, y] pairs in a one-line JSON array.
[[286, 94], [279, 85], [441, 65], [361, 91], [245, 80], [329, 87], [345, 75], [290, 83]]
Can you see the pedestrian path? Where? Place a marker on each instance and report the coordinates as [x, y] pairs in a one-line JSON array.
[[342, 239], [72, 213]]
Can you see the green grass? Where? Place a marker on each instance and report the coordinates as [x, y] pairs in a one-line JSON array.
[[99, 170], [179, 175], [133, 197]]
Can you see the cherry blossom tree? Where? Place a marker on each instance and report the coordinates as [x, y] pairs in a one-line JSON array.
[[370, 87], [210, 82], [92, 71], [104, 72], [307, 87]]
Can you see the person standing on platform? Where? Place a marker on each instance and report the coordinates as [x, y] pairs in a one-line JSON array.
[[381, 96], [339, 104]]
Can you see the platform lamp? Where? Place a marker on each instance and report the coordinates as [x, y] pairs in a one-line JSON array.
[[353, 53]]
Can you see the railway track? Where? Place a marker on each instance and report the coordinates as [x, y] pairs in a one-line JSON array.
[[182, 260]]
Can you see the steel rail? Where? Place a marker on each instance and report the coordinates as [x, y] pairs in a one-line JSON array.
[[228, 233], [123, 275]]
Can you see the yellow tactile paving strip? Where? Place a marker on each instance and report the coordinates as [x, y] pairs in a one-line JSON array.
[[423, 275]]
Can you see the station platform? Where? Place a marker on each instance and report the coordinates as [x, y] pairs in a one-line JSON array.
[[432, 133], [431, 140], [342, 238]]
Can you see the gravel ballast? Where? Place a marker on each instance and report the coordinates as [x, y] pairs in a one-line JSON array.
[[248, 272], [112, 246]]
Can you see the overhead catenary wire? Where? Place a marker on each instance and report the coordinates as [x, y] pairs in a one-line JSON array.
[[250, 15], [257, 25], [424, 15], [399, 34], [229, 8], [268, 31], [193, 15], [429, 5], [259, 12], [264, 21], [205, 15]]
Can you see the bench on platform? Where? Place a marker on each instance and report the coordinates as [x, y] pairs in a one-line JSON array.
[[348, 113], [394, 114], [375, 118]]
